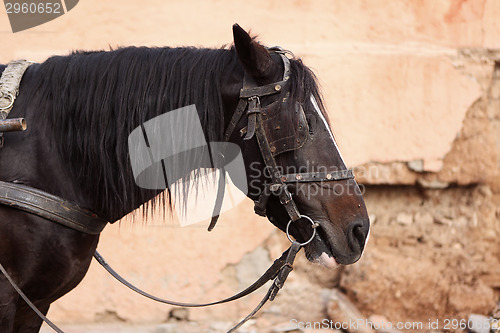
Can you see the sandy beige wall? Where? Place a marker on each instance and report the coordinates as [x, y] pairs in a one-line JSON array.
[[387, 69], [398, 84]]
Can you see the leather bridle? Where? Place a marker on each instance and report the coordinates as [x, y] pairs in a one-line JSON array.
[[277, 185]]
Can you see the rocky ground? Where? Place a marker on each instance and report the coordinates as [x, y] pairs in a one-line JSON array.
[[434, 255]]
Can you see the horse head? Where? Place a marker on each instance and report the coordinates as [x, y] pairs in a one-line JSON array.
[[288, 146]]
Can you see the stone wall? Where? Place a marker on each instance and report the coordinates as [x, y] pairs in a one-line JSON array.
[[413, 93]]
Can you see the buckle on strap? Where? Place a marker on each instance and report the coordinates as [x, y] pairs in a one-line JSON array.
[[253, 109], [287, 267], [10, 81], [9, 105]]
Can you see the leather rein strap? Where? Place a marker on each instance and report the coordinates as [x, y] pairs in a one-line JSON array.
[[60, 211], [278, 272]]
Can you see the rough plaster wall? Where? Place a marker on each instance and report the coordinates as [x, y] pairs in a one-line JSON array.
[[494, 107], [387, 69], [472, 155]]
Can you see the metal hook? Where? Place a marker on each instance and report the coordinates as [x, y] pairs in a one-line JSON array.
[[12, 98]]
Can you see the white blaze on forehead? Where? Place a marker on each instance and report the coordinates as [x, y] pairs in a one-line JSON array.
[[322, 117]]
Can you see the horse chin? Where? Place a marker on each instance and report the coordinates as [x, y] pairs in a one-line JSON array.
[[318, 253], [326, 261]]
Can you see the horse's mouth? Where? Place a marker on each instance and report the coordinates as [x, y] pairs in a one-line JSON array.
[[331, 248], [326, 261], [319, 252]]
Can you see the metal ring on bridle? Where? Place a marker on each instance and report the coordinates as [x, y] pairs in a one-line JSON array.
[[313, 226], [11, 97]]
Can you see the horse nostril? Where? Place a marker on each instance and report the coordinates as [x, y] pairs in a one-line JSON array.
[[357, 235]]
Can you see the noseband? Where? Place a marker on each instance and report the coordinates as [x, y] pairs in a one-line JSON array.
[[250, 96]]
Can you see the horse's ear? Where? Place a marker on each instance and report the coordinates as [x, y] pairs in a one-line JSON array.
[[254, 57]]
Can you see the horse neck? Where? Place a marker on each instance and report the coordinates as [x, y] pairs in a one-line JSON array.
[[98, 99]]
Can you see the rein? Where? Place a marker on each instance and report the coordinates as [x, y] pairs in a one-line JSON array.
[[278, 272], [60, 211]]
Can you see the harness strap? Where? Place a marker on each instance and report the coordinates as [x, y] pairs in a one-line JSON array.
[[268, 275], [50, 207], [317, 176], [265, 90], [250, 91], [249, 96], [261, 204], [278, 272], [285, 196], [240, 109], [253, 110], [249, 101], [276, 286]]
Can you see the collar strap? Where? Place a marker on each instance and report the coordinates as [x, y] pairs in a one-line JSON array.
[[51, 207]]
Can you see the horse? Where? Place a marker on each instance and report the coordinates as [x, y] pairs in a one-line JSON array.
[[80, 110]]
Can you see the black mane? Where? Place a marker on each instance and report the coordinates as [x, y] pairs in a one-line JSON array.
[[97, 98]]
